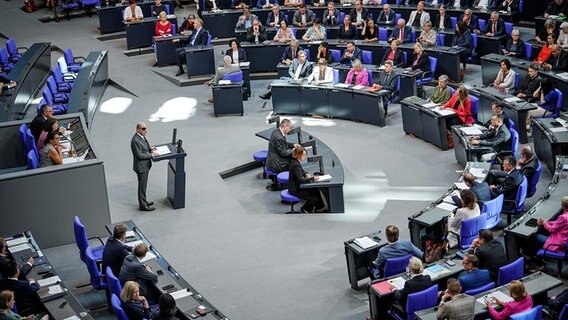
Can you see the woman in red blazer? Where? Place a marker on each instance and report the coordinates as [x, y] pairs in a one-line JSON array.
[[357, 75], [461, 104]]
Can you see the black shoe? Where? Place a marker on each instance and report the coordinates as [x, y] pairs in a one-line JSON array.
[[148, 209], [305, 211], [265, 96], [151, 203], [180, 72]]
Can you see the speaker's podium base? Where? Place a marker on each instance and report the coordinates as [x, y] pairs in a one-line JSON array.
[[176, 175]]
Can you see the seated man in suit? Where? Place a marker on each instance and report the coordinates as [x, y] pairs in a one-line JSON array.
[[299, 69], [454, 304], [401, 32], [558, 60], [246, 19], [358, 14], [275, 16], [351, 53], [472, 277], [303, 18], [497, 137], [418, 17], [331, 15], [134, 270], [387, 83], [387, 17], [530, 84], [480, 189], [199, 37], [527, 164], [416, 283], [25, 292], [290, 53], [495, 26], [280, 151], [36, 126], [490, 252], [115, 250], [256, 32], [470, 20], [497, 109], [227, 68], [394, 248], [510, 184]]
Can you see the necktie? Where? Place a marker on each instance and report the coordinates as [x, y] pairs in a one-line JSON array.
[[195, 36], [293, 53], [494, 27], [401, 36]]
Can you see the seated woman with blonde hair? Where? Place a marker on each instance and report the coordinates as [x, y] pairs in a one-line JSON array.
[[522, 302], [357, 75]]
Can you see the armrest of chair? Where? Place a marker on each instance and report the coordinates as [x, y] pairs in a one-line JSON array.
[[429, 73], [98, 238], [508, 201], [69, 77], [24, 48], [551, 245]]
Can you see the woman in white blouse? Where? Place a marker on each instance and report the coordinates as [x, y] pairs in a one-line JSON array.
[[322, 74], [284, 34], [505, 80], [469, 209]]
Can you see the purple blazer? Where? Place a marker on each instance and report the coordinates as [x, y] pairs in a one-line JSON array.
[[362, 77]]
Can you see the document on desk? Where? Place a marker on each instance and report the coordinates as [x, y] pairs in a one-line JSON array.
[[511, 99], [324, 177], [397, 282], [244, 64], [446, 206], [130, 233], [558, 129], [359, 87], [162, 150], [342, 85], [134, 243], [224, 82], [20, 247], [48, 281], [435, 271], [496, 294], [430, 105], [365, 242], [461, 185], [471, 131], [72, 318], [55, 289], [477, 172], [181, 294], [16, 241], [443, 112], [149, 256], [449, 198]]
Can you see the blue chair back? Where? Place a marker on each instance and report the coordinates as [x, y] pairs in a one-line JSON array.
[[521, 196], [564, 313], [5, 61], [509, 28], [433, 65], [470, 229], [12, 50], [474, 40], [454, 22], [81, 238], [97, 280], [517, 77], [367, 57], [113, 283], [558, 108], [235, 76], [31, 143], [440, 39], [33, 163], [307, 52], [514, 142], [534, 180], [370, 77], [396, 265], [492, 210], [383, 34], [421, 300], [452, 90], [117, 307], [336, 55], [335, 76], [474, 106], [481, 24], [521, 5], [51, 85], [512, 125], [209, 38], [294, 32], [22, 133], [533, 314], [174, 29], [510, 272], [405, 55], [413, 35], [341, 17], [286, 19], [528, 51], [397, 16], [481, 289]]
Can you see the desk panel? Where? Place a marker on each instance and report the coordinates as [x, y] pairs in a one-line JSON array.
[[141, 34]]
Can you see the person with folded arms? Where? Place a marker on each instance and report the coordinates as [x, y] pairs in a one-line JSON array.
[[546, 50], [163, 26], [322, 74], [548, 99]]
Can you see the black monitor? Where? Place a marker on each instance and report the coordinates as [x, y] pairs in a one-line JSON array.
[[174, 136], [275, 119], [320, 160], [297, 130], [311, 143]]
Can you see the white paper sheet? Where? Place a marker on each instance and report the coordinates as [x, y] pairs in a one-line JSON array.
[[558, 129], [17, 241], [324, 177], [149, 256], [471, 131], [48, 281], [20, 247], [496, 294], [365, 242], [398, 282], [181, 294], [162, 150], [446, 206], [443, 112], [55, 289]]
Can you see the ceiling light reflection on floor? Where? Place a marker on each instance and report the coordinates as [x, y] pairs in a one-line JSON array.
[[314, 122], [115, 105], [180, 108]]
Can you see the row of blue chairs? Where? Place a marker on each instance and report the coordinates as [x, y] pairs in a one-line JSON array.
[[10, 55], [30, 148]]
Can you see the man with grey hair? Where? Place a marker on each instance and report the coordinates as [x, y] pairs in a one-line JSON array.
[[454, 304], [428, 35], [441, 93], [387, 16], [291, 52], [227, 68], [495, 26], [387, 83], [402, 32], [563, 36], [470, 20], [142, 154]]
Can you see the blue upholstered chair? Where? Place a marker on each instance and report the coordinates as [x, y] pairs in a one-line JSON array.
[[454, 22], [546, 253], [474, 50], [209, 39], [307, 52], [117, 307], [341, 17], [482, 24], [558, 108], [282, 177], [14, 51], [533, 314], [5, 64], [22, 129], [413, 35], [564, 313], [234, 77], [516, 207], [427, 76], [336, 55], [370, 77], [396, 265], [474, 106], [470, 229], [291, 199], [534, 180], [58, 97], [113, 283], [260, 157], [418, 301], [83, 242], [492, 210], [33, 163], [383, 34], [440, 39], [66, 8], [335, 76], [481, 289], [30, 143], [64, 83], [73, 63], [367, 57], [510, 272], [397, 15], [98, 280], [528, 51], [91, 4], [509, 28], [58, 108]]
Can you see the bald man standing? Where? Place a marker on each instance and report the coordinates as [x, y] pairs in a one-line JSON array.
[[142, 154]]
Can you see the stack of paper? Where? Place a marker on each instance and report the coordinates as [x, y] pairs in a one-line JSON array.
[[461, 185], [430, 105], [365, 242], [48, 281], [477, 172], [16, 241], [398, 282], [446, 206], [149, 256], [443, 112], [471, 131], [324, 177], [162, 150], [181, 294]]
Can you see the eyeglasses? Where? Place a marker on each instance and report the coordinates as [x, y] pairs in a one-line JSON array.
[[49, 110], [143, 129]]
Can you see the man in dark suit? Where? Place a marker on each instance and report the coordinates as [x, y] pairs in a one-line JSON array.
[[490, 252], [497, 108], [331, 15], [142, 155], [527, 165], [280, 151], [472, 277], [358, 14], [24, 291], [494, 27], [303, 18], [36, 126], [530, 84], [290, 53], [442, 20], [401, 32], [558, 60], [134, 270], [199, 37], [480, 189], [387, 17], [416, 283], [256, 32], [387, 83], [6, 256], [299, 69], [470, 20], [275, 16], [115, 250], [351, 53], [557, 7], [510, 184], [497, 137]]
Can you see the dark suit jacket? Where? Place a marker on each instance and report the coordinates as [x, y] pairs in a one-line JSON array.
[[473, 23], [505, 121], [261, 37], [209, 5], [287, 54], [499, 139], [296, 177], [520, 52], [279, 152], [304, 73], [331, 20], [560, 62], [200, 38], [474, 279], [135, 310], [134, 270], [142, 154], [447, 21], [382, 20], [357, 54], [422, 64], [407, 34], [24, 269], [529, 168], [242, 55], [509, 187], [491, 257], [388, 81], [270, 17], [36, 126], [24, 293], [500, 27], [416, 284], [114, 254], [398, 58], [353, 14], [481, 191]]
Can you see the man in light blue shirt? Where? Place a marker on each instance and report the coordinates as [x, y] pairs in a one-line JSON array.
[[394, 249]]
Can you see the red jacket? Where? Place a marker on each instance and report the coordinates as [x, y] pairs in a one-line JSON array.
[[463, 113]]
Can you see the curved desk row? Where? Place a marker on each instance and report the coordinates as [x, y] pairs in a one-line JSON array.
[[61, 305], [550, 141], [329, 101], [187, 297], [30, 72], [547, 207], [90, 85], [139, 34], [111, 18], [331, 189], [464, 151], [221, 24]]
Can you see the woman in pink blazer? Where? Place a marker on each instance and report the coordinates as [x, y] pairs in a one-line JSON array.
[[521, 302], [357, 75]]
